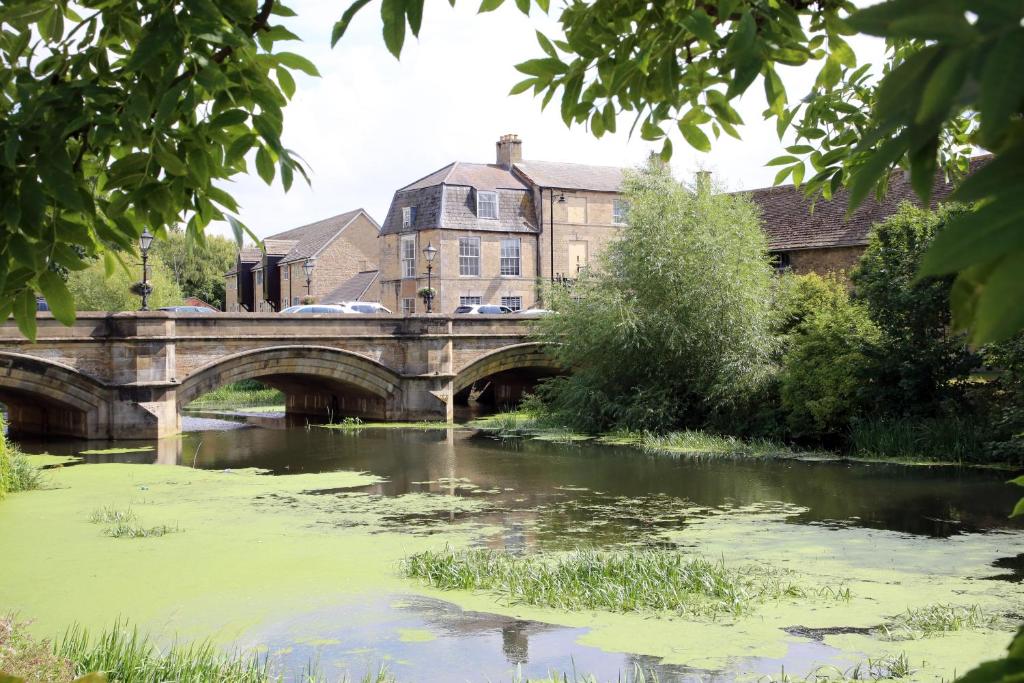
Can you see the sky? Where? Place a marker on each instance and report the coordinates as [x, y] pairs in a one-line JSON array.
[[372, 124]]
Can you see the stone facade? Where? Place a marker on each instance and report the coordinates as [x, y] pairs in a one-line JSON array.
[[839, 260], [584, 226], [231, 292]]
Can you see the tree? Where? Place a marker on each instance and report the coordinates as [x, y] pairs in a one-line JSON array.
[[676, 320], [920, 363], [951, 81], [197, 267], [117, 116], [95, 289]]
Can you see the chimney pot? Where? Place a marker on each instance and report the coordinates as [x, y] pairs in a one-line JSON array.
[[509, 150]]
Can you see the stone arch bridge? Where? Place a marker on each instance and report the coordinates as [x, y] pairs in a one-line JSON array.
[[128, 375]]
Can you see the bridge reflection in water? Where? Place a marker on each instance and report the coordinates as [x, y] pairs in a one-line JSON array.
[[128, 375]]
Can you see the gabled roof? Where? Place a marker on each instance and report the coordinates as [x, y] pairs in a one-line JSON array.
[[479, 176], [277, 247], [565, 176], [250, 254], [793, 221], [352, 289], [309, 240]]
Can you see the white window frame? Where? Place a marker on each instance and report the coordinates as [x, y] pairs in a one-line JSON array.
[[407, 255], [295, 301], [509, 265], [469, 257], [481, 195], [408, 306], [620, 211], [285, 271], [509, 300], [408, 216], [469, 300]]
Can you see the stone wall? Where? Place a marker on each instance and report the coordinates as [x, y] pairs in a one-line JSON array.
[[583, 226], [823, 261]]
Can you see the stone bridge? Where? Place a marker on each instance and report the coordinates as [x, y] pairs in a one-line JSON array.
[[128, 375]]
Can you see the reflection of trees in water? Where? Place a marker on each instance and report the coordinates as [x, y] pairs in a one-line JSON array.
[[515, 642]]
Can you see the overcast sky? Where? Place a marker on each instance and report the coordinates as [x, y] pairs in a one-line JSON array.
[[372, 123]]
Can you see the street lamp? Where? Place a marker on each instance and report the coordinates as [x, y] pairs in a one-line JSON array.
[[429, 252], [145, 242], [308, 266]]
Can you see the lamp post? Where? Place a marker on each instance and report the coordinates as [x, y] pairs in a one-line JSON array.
[[145, 242], [429, 252], [308, 267]]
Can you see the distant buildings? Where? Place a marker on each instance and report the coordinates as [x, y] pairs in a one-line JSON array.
[[499, 228]]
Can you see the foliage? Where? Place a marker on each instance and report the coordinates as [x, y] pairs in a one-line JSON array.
[[674, 323], [824, 367], [117, 116], [937, 619], [95, 289], [1006, 397], [638, 580], [798, 297], [244, 393], [948, 84], [1006, 670], [16, 473], [920, 364], [29, 659], [197, 267]]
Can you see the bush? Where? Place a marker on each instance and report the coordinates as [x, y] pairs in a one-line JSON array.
[[16, 474], [824, 368], [919, 364], [674, 323], [946, 439]]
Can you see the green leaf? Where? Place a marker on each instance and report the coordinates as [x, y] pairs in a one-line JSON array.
[[1018, 509], [1003, 174], [57, 296], [169, 159], [490, 5], [25, 313], [865, 176], [392, 12], [546, 45], [946, 79], [979, 236], [695, 136], [265, 165], [287, 82], [94, 677], [522, 86], [346, 19], [999, 314], [782, 160], [231, 117], [1002, 88], [298, 62]]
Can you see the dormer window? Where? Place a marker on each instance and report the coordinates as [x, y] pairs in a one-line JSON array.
[[487, 205], [408, 216]]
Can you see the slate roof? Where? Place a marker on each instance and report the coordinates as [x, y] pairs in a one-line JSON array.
[[310, 240], [278, 247], [566, 176], [446, 199], [352, 289], [793, 221]]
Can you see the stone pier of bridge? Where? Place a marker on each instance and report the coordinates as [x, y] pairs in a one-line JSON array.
[[129, 375]]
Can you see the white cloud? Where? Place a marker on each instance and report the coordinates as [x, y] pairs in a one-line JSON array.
[[372, 124]]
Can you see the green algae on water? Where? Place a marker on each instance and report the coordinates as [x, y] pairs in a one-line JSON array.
[[115, 451]]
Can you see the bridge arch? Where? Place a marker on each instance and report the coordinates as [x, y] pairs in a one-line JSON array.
[[513, 369], [315, 379], [49, 397]]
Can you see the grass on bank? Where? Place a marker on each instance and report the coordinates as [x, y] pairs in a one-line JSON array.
[[16, 472], [639, 580], [951, 439], [242, 394], [354, 424], [936, 620]]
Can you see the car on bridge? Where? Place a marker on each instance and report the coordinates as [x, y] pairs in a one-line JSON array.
[[188, 309], [306, 309], [367, 307], [482, 309]]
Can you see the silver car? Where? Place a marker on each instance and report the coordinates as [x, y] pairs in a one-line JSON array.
[[482, 309], [315, 308]]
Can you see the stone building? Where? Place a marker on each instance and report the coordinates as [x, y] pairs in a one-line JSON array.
[[340, 248]]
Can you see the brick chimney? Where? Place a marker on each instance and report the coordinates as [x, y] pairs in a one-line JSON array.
[[510, 150]]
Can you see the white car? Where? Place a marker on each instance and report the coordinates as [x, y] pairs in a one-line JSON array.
[[534, 311], [315, 308], [482, 309], [365, 307]]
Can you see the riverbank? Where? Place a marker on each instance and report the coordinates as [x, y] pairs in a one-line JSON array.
[[870, 448]]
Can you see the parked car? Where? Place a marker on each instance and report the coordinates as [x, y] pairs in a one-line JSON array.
[[315, 308], [482, 309], [188, 309], [365, 307], [534, 311]]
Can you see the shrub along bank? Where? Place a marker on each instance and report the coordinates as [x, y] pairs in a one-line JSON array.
[[683, 327]]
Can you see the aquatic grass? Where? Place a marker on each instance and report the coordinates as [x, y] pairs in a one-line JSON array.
[[704, 443], [127, 656], [883, 668], [937, 619], [355, 424], [134, 530], [110, 515], [16, 472], [952, 439], [640, 580], [239, 394]]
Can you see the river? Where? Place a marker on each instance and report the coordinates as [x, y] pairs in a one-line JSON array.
[[302, 560]]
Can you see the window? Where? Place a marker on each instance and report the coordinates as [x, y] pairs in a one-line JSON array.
[[510, 257], [408, 306], [408, 216], [620, 210], [285, 271], [408, 255], [259, 277], [469, 301], [295, 301], [469, 256], [513, 302], [486, 204], [780, 261]]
